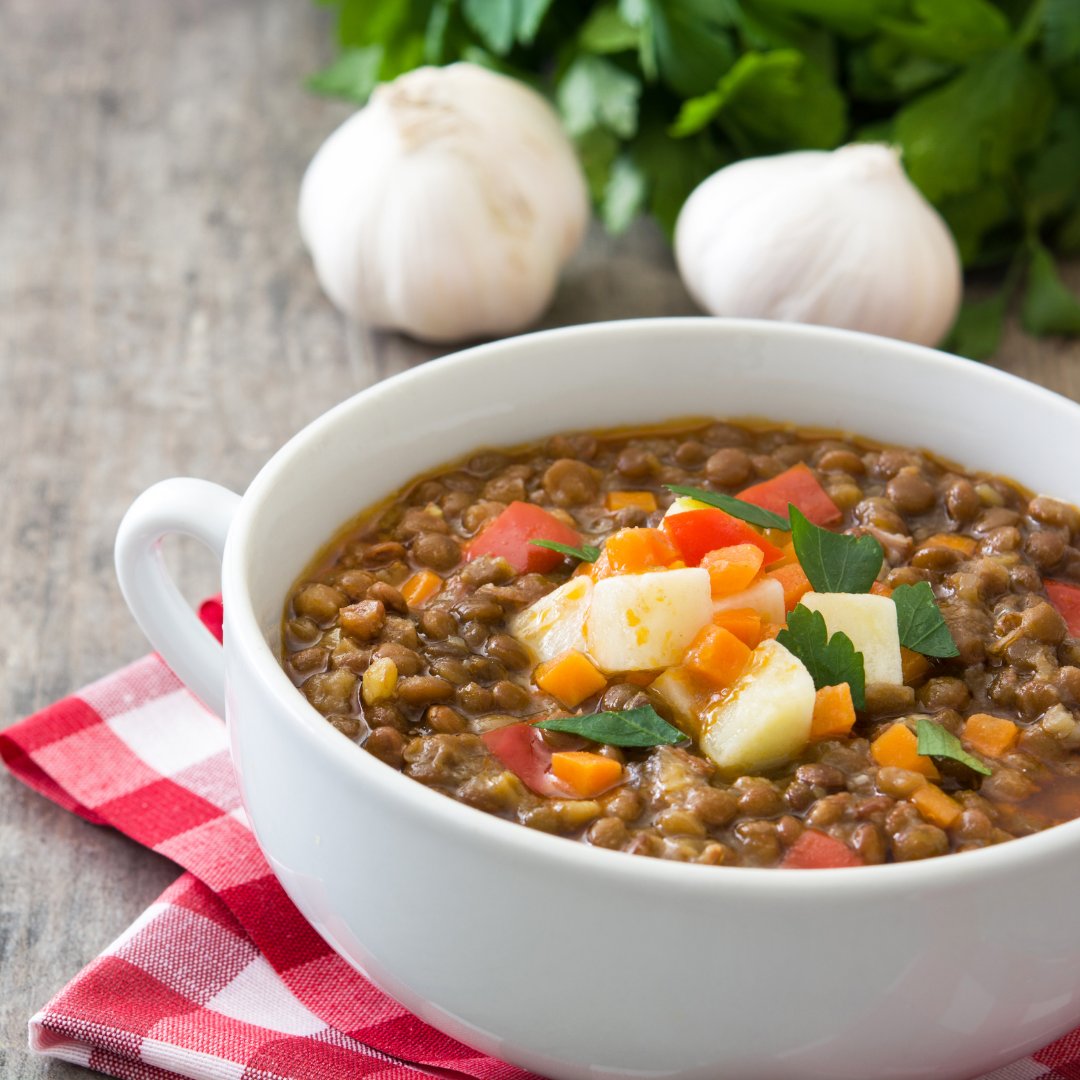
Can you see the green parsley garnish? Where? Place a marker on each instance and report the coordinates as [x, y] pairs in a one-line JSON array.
[[737, 508], [919, 619], [631, 727], [835, 562], [936, 741], [830, 660], [586, 553]]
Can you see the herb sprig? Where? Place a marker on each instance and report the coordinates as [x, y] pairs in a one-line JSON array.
[[642, 727], [979, 95], [586, 553], [835, 562], [936, 741], [920, 622], [830, 660], [737, 508]]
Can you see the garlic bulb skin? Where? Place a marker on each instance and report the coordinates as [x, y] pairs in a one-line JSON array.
[[840, 238], [446, 207]]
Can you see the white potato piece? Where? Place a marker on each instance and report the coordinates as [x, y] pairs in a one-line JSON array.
[[684, 697], [766, 597], [638, 622], [555, 623], [870, 622], [765, 720]]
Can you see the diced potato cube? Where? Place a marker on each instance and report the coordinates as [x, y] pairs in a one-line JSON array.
[[554, 624], [870, 622], [684, 696], [766, 718], [640, 622], [766, 597]]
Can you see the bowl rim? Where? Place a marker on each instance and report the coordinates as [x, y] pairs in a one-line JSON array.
[[511, 840]]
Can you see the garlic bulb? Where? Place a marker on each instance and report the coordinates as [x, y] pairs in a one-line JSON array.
[[446, 207], [840, 238]]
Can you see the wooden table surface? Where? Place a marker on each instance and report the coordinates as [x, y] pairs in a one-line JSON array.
[[158, 316]]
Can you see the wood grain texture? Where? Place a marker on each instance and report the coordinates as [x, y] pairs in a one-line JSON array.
[[158, 317]]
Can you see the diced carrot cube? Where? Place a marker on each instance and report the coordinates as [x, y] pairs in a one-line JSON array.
[[569, 678], [936, 806], [879, 588], [990, 735], [731, 569], [717, 655], [834, 712], [744, 623], [913, 665], [587, 773], [898, 746], [422, 586], [620, 500], [634, 551], [794, 581], [964, 544]]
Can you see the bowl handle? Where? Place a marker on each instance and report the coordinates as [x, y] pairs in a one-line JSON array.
[[187, 507]]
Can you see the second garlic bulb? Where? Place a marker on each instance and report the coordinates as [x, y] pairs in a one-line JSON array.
[[446, 207], [839, 238]]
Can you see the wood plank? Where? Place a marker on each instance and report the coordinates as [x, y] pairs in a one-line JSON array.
[[158, 317]]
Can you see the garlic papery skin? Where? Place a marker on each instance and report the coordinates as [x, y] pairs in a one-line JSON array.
[[446, 207], [840, 238]]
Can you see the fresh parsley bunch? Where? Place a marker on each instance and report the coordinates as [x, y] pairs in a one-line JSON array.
[[982, 96]]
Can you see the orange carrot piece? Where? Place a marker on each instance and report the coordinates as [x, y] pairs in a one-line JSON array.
[[620, 500], [879, 588], [634, 551], [913, 665], [638, 678], [569, 678], [422, 586], [989, 735], [732, 568], [937, 807], [587, 773], [744, 623], [898, 746], [794, 581], [717, 655], [964, 544], [834, 712]]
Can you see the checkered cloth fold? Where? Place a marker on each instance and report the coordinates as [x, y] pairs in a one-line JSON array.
[[222, 978]]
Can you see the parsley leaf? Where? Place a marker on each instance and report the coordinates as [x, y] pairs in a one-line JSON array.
[[586, 553], [595, 92], [1001, 102], [830, 660], [352, 75], [835, 562], [1049, 307], [632, 727], [737, 508], [936, 741], [624, 194], [920, 622]]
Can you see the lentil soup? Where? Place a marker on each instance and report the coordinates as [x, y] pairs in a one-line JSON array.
[[715, 686]]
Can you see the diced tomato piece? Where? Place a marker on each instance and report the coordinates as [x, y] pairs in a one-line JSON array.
[[521, 748], [697, 532], [799, 487], [1066, 598], [510, 534], [817, 851]]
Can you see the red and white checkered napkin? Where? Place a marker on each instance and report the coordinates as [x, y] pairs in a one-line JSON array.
[[222, 978]]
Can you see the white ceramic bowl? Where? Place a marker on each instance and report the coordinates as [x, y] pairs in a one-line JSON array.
[[576, 962]]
